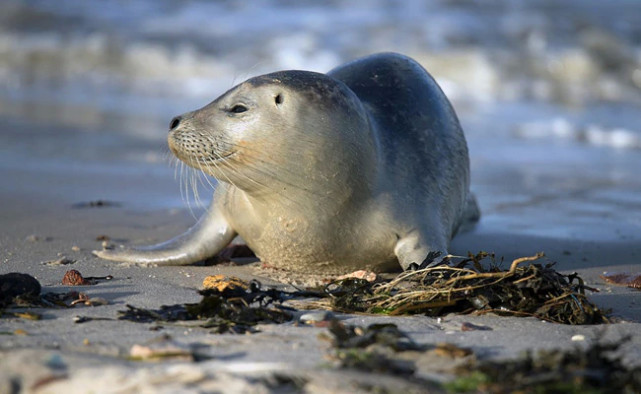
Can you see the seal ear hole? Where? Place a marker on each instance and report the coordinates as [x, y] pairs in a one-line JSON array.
[[278, 99], [238, 108]]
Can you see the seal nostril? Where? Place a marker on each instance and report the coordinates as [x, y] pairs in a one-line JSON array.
[[175, 122]]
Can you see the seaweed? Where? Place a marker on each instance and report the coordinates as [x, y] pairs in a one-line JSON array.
[[371, 349], [383, 348], [388, 335], [234, 308], [467, 287], [597, 368]]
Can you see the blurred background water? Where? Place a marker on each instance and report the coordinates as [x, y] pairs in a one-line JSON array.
[[549, 92]]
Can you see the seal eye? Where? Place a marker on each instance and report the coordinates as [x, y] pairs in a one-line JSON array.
[[175, 122], [278, 99], [238, 108]]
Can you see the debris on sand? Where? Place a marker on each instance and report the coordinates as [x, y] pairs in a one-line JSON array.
[[388, 335], [37, 238], [230, 305], [316, 318], [360, 274], [224, 282], [467, 326], [467, 287], [383, 348], [371, 349], [59, 261], [163, 348], [596, 368], [63, 300], [623, 279], [28, 315], [18, 288], [96, 204], [24, 291], [75, 278]]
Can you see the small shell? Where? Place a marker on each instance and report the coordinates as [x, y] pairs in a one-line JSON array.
[[74, 278]]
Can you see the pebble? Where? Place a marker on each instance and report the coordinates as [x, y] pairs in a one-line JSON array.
[[161, 349], [316, 316], [55, 362], [578, 338], [15, 284]]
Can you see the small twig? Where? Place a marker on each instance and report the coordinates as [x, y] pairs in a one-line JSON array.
[[524, 279], [520, 260]]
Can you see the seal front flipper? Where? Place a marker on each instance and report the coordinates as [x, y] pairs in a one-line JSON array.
[[208, 237], [414, 252]]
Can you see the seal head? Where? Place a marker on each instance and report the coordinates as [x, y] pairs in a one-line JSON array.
[[270, 133]]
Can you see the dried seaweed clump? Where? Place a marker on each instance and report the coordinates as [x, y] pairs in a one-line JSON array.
[[467, 287]]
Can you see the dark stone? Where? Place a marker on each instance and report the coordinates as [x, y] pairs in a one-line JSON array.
[[15, 284]]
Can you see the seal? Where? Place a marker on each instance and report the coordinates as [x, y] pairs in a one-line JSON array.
[[364, 167]]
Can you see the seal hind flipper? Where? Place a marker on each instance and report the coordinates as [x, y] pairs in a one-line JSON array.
[[208, 237]]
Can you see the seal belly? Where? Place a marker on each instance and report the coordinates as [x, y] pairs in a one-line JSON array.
[[328, 246]]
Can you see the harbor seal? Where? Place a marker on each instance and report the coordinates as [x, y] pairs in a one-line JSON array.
[[364, 167]]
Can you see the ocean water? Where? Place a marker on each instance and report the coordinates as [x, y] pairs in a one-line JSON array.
[[549, 92]]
